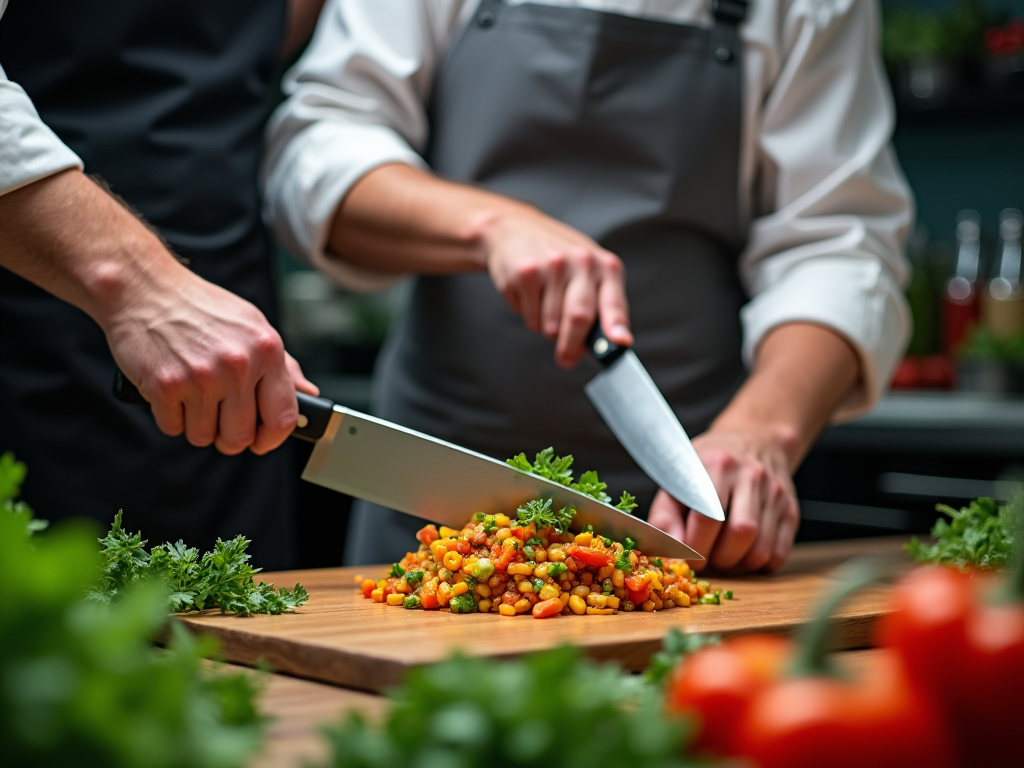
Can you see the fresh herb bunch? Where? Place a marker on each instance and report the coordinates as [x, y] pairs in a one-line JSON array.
[[12, 475], [675, 648], [980, 535], [550, 709], [558, 469], [82, 683], [540, 513], [221, 579]]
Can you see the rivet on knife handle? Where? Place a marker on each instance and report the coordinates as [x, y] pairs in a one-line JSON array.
[[604, 350]]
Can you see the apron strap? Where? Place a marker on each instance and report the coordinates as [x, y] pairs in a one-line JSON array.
[[725, 36]]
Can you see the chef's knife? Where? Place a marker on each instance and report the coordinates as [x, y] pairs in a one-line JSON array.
[[406, 470], [636, 412]]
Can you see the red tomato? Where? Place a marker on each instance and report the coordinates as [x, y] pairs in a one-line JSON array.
[[427, 534], [592, 557], [368, 586], [717, 683], [429, 602]]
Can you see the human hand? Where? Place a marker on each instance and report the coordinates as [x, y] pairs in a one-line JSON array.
[[210, 365], [558, 279], [751, 471]]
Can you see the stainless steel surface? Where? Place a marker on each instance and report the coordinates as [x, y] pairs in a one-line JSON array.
[[631, 405], [420, 475]]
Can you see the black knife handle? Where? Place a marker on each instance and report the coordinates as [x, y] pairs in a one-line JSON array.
[[604, 350], [314, 412]]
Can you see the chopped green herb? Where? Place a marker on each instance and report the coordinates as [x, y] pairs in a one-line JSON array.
[[627, 503], [555, 569], [538, 584], [478, 516], [710, 599], [623, 564], [607, 541], [727, 594], [977, 536], [587, 528], [657, 562], [592, 486], [540, 513], [528, 552], [535, 542], [396, 571], [629, 544], [412, 577]]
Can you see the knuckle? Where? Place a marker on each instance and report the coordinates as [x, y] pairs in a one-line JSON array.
[[745, 529], [236, 362], [527, 272], [579, 315], [718, 460], [268, 343], [612, 265]]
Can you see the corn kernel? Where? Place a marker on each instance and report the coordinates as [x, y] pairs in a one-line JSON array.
[[521, 606], [600, 611], [494, 582], [613, 603], [556, 554], [484, 606], [584, 539], [647, 606], [605, 572], [502, 521], [453, 561], [581, 591], [682, 600], [503, 533], [444, 593], [396, 598], [656, 581], [506, 610], [633, 559], [540, 555], [597, 600], [577, 606], [460, 589], [520, 568], [484, 591], [658, 604], [541, 571], [564, 597], [549, 591], [377, 595], [670, 604], [524, 587]]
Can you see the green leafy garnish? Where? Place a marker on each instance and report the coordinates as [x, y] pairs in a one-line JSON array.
[[627, 503], [657, 561], [221, 579], [12, 475], [592, 486], [629, 544], [550, 709], [979, 535], [412, 577], [675, 647], [540, 513], [83, 684], [396, 572], [623, 564]]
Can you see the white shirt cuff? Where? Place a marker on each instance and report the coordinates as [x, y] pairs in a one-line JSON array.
[[857, 298], [308, 183], [29, 151]]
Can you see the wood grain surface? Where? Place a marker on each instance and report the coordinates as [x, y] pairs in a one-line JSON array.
[[339, 637]]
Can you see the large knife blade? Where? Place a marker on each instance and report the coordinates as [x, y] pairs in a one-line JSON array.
[[636, 412], [426, 477]]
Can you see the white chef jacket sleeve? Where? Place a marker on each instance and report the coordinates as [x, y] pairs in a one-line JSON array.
[[356, 102], [29, 151], [828, 249]]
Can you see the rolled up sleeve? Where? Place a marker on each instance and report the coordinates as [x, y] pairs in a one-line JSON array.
[[829, 247], [355, 102], [29, 151]]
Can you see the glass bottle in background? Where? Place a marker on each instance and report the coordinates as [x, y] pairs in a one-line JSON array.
[[960, 304], [1003, 302]]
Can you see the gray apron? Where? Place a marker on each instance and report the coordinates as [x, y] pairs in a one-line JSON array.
[[627, 129]]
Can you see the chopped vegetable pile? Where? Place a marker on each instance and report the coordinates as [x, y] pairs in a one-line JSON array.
[[978, 536], [533, 563], [221, 579]]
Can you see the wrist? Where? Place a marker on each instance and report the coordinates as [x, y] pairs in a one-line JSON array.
[[489, 224]]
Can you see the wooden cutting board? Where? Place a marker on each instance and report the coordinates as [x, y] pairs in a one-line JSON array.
[[339, 637]]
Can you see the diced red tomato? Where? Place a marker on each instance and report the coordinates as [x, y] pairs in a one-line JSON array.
[[591, 557], [508, 554], [547, 608], [429, 602], [427, 534], [463, 547], [639, 597]]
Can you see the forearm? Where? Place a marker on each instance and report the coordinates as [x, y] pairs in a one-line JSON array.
[[71, 238], [801, 374], [401, 219]]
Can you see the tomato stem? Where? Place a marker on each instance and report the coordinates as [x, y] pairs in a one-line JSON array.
[[811, 657]]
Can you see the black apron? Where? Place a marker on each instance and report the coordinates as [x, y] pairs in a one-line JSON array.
[[627, 129], [166, 100]]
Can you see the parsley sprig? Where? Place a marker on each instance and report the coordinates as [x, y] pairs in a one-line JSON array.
[[540, 513], [558, 469], [221, 579], [979, 535]]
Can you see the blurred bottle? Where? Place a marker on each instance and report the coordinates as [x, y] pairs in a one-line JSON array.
[[1003, 302], [960, 304]]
